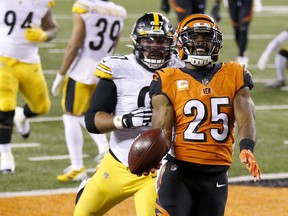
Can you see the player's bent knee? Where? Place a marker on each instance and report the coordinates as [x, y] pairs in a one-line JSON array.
[[42, 109], [7, 104]]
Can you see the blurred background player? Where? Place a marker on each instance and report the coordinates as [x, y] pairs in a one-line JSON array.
[[241, 14], [121, 105], [96, 29], [215, 11], [280, 59], [196, 105], [183, 8], [23, 25]]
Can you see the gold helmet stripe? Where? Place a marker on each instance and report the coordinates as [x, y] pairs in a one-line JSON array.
[[156, 21]]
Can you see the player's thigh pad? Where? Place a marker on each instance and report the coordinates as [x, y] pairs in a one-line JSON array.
[[8, 85], [145, 198], [111, 184], [33, 86], [76, 96]]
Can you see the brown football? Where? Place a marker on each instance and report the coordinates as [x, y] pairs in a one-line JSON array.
[[146, 151]]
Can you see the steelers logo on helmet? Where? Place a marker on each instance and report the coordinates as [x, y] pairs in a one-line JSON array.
[[198, 40], [152, 37]]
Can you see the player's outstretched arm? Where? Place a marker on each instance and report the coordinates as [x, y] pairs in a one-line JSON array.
[[244, 110], [271, 47]]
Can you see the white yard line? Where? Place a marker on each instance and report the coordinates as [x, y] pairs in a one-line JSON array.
[[260, 108], [52, 45], [25, 145], [55, 157], [74, 190]]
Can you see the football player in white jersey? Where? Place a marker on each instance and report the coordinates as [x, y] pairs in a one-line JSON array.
[[281, 59], [121, 105], [23, 24], [96, 29]]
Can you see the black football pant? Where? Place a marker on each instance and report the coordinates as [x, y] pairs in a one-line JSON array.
[[184, 192]]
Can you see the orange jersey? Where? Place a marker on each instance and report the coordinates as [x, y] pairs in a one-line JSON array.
[[204, 127]]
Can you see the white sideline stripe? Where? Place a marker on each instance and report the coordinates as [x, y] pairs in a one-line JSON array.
[[55, 157], [42, 119], [39, 192], [25, 145], [285, 142], [263, 177], [74, 190]]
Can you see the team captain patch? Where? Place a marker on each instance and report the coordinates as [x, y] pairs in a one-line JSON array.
[[182, 85]]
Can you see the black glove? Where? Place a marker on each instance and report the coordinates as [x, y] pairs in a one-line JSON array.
[[137, 118], [165, 6]]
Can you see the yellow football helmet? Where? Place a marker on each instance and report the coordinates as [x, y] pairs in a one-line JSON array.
[[198, 40]]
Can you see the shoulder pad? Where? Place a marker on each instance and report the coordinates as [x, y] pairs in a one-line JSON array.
[[51, 3], [112, 67], [80, 8], [103, 71]]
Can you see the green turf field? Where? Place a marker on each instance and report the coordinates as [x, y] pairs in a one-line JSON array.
[[47, 137]]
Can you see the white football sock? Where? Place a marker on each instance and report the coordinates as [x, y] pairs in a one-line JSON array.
[[101, 142], [7, 159], [5, 147], [74, 140], [281, 64], [100, 139]]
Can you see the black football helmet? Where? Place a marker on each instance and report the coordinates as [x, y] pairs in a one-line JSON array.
[[198, 40], [153, 28]]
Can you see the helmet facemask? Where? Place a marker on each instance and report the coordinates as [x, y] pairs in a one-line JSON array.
[[198, 40], [153, 51], [152, 37]]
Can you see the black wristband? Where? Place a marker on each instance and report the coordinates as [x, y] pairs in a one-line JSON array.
[[247, 144]]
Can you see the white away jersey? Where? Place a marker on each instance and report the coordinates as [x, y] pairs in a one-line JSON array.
[[132, 82], [15, 16], [104, 21]]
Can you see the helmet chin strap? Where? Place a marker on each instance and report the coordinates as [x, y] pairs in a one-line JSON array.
[[198, 61]]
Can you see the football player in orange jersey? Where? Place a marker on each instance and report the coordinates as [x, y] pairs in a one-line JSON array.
[[199, 105]]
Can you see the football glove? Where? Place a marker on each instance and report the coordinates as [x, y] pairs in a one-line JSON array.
[[262, 62], [248, 159], [137, 118], [35, 34], [57, 85], [165, 6]]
